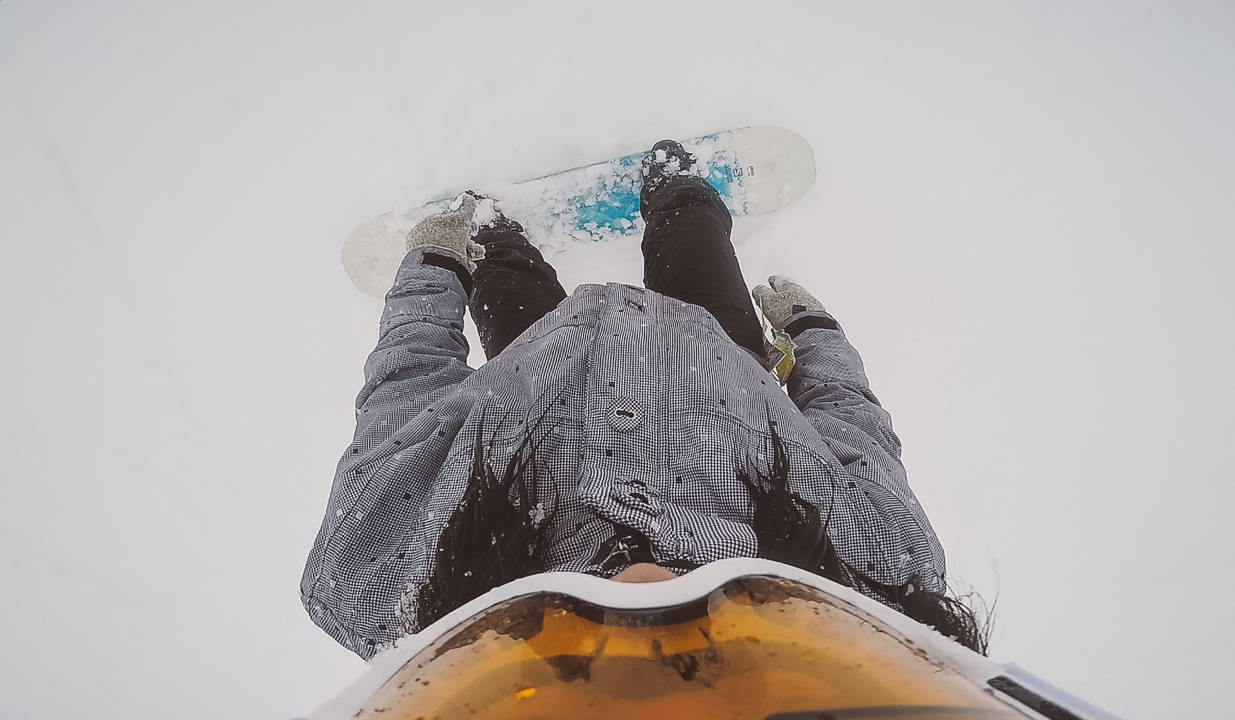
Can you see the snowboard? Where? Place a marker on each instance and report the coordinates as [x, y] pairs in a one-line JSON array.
[[756, 169]]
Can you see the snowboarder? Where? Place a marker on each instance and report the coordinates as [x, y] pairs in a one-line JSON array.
[[636, 431]]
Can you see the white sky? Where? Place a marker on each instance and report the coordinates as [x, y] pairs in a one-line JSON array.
[[1023, 218]]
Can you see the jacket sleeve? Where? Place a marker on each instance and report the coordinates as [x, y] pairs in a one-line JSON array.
[[829, 386], [421, 352], [421, 355]]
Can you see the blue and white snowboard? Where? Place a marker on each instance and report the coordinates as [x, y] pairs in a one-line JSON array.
[[755, 169]]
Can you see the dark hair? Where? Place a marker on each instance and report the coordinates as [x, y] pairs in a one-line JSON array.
[[790, 530], [490, 538], [493, 537]]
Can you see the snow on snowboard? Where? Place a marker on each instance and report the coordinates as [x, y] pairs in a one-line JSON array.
[[755, 169]]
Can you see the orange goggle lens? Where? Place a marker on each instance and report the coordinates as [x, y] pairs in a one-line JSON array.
[[756, 648]]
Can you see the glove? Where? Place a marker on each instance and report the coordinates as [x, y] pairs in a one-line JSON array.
[[450, 233], [783, 300]]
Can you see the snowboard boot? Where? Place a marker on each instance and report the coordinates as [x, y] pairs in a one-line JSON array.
[[666, 159], [489, 216]]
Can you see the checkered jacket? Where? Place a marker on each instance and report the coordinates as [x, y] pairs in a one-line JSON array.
[[650, 403]]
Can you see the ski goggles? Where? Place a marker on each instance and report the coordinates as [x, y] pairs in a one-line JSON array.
[[737, 639]]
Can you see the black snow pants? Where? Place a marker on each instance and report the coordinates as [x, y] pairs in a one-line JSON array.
[[687, 254]]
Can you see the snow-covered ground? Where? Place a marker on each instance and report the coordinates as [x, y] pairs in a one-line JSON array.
[[1022, 217]]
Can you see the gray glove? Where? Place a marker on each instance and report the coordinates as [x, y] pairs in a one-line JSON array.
[[783, 300], [450, 232]]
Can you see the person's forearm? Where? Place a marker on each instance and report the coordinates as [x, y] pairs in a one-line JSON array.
[[421, 348], [829, 385]]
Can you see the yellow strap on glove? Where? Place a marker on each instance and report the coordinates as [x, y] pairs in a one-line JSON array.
[[780, 355]]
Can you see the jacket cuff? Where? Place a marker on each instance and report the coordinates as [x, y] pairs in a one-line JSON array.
[[453, 264], [816, 319]]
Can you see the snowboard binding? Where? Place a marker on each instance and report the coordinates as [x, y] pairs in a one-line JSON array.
[[666, 159], [489, 216]]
